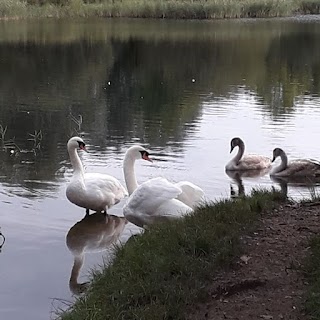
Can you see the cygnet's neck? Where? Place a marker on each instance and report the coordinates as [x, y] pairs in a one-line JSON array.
[[283, 165], [239, 154]]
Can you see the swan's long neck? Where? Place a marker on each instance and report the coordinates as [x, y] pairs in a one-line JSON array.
[[239, 154], [283, 165], [77, 264], [129, 173], [75, 162]]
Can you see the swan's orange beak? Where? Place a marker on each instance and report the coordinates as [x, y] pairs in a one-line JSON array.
[[146, 157], [83, 148]]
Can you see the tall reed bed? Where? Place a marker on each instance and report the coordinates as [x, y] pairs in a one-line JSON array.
[[173, 9]]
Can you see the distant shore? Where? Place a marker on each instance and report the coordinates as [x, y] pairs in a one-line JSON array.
[[170, 9]]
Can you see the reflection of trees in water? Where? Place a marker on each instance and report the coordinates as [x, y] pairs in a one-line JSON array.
[[40, 88], [139, 85], [292, 63], [146, 97]]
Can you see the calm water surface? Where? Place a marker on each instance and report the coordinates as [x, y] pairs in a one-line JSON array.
[[182, 89]]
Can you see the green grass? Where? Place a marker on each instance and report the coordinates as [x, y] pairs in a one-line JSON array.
[[174, 9], [313, 277], [161, 273], [13, 8]]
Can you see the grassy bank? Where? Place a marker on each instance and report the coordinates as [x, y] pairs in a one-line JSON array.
[[159, 274], [313, 277], [175, 9]]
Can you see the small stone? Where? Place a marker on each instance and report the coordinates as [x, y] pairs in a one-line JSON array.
[[245, 258]]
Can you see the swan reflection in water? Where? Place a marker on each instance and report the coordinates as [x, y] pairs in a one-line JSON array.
[[296, 182], [2, 240], [94, 233], [237, 176]]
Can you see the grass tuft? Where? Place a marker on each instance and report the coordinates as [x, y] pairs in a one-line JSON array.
[[159, 274], [313, 277]]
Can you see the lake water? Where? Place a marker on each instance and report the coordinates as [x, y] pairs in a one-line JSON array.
[[183, 89]]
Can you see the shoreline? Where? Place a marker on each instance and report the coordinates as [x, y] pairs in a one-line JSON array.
[[243, 257], [204, 10]]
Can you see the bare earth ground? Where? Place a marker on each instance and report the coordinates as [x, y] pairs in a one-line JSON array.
[[267, 281]]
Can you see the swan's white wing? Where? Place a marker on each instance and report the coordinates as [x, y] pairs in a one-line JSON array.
[[173, 209], [146, 201], [103, 189], [152, 193], [191, 194], [104, 182]]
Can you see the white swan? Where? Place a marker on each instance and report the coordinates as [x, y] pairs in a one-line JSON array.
[[247, 162], [94, 233], [299, 168], [92, 191], [153, 200]]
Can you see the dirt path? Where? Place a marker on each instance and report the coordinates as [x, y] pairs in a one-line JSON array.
[[267, 281]]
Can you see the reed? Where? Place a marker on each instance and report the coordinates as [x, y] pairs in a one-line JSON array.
[[173, 9], [13, 8]]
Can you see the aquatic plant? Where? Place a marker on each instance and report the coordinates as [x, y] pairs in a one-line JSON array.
[[36, 137], [7, 144], [78, 121]]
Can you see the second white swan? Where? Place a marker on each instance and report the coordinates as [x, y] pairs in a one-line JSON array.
[[156, 199]]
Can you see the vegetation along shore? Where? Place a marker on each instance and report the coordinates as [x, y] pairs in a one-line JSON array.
[[174, 9], [246, 258]]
